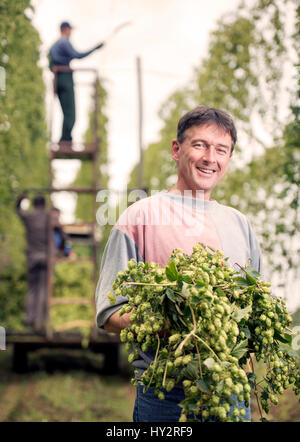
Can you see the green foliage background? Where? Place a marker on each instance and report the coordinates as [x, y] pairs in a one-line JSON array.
[[85, 203], [84, 206], [73, 280], [23, 154]]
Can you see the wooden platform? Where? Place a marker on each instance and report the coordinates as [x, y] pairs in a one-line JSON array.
[[59, 338], [23, 343], [80, 151]]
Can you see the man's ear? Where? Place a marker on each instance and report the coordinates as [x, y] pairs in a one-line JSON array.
[[175, 150]]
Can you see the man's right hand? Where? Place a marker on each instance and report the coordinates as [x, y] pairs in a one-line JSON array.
[[116, 323]]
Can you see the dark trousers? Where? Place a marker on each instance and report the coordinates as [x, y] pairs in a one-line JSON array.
[[148, 408], [36, 301], [65, 93]]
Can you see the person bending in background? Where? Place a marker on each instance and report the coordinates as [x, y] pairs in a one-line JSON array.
[[61, 54], [36, 222], [62, 247]]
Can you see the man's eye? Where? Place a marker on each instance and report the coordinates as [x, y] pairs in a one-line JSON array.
[[222, 151], [199, 145]]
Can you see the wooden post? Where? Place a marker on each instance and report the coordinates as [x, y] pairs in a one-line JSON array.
[[94, 329], [140, 121], [50, 276]]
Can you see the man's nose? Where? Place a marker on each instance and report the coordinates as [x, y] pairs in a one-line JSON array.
[[210, 154]]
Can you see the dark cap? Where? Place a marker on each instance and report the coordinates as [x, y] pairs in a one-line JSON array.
[[65, 24], [39, 201]]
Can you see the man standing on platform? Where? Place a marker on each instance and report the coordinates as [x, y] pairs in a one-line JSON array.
[[61, 53]]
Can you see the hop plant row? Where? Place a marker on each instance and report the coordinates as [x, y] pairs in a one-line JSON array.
[[203, 320]]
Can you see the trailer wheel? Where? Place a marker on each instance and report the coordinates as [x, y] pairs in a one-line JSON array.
[[20, 358], [111, 359]]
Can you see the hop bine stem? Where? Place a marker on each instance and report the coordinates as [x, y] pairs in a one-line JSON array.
[[149, 283], [165, 373], [199, 360], [155, 360], [255, 390], [207, 346], [193, 333]]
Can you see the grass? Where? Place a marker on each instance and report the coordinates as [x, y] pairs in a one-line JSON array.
[[73, 397], [64, 395], [67, 386]]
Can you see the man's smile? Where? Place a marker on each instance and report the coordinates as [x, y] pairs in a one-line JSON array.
[[205, 170]]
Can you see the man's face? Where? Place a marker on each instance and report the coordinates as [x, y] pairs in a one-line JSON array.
[[202, 158], [66, 32]]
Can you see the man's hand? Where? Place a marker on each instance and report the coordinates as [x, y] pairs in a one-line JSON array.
[[116, 323], [100, 45]]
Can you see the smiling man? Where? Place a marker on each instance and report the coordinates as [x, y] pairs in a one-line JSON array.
[[202, 154], [151, 228]]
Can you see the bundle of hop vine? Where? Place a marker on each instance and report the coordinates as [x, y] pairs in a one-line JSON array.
[[203, 320]]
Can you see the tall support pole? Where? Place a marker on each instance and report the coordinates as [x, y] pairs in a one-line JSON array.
[[50, 276], [50, 252], [140, 122], [95, 169], [96, 140]]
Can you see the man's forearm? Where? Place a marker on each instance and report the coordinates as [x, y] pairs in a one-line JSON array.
[[116, 323]]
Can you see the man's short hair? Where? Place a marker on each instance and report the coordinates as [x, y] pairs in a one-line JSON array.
[[64, 25], [39, 201], [202, 115]]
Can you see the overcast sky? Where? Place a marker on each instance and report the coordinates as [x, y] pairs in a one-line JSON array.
[[170, 36]]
